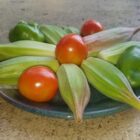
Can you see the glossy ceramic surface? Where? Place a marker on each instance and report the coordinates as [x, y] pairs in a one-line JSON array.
[[99, 105]]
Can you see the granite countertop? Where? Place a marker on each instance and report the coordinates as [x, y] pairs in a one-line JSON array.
[[16, 124]]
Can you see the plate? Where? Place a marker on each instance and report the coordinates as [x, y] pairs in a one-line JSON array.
[[98, 106]]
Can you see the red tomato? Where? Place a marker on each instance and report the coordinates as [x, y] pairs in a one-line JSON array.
[[90, 26], [71, 49], [38, 83]]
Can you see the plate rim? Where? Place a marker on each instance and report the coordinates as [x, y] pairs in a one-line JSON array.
[[65, 115]]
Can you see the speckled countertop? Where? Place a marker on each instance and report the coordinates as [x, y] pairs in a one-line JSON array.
[[16, 124]]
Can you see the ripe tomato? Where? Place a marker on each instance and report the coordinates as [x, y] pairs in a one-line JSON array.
[[38, 83], [71, 49], [90, 26]]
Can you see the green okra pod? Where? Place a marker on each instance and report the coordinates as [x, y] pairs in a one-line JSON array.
[[11, 69], [108, 38], [26, 48], [110, 81], [74, 88], [113, 54]]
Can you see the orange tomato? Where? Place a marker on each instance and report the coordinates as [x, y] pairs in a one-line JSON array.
[[38, 83], [91, 26], [71, 49]]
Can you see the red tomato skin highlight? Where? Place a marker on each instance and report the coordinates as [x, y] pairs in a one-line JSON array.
[[71, 49], [90, 26], [38, 84]]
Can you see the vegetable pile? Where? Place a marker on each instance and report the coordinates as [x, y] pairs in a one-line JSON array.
[[42, 59]]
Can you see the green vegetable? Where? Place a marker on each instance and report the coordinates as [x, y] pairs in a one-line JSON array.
[[11, 69], [26, 48], [112, 54], [52, 33], [26, 31], [129, 64], [42, 33], [74, 88], [110, 81], [108, 38]]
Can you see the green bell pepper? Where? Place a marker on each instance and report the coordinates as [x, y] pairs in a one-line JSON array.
[[38, 32], [26, 31], [129, 64]]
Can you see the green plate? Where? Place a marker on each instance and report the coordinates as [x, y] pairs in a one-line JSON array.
[[99, 105]]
